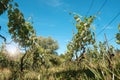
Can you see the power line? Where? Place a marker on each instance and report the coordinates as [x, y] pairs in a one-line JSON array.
[[102, 6], [111, 39], [90, 7], [108, 24]]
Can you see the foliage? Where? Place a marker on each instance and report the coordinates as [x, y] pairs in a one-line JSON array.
[[48, 44], [82, 38], [43, 53], [118, 35], [4, 5], [22, 32], [84, 60]]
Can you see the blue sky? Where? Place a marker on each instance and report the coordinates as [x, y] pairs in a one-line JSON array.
[[51, 18]]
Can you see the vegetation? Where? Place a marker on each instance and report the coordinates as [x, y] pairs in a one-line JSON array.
[[85, 59], [118, 35]]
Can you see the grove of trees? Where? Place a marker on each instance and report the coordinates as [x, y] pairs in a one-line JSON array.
[[85, 59]]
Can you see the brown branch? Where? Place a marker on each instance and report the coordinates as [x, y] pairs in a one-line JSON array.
[[3, 38]]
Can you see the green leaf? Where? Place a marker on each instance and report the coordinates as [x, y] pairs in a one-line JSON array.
[[78, 20], [77, 26], [118, 36], [76, 16], [16, 10], [10, 6], [16, 4], [117, 41], [82, 23], [119, 27]]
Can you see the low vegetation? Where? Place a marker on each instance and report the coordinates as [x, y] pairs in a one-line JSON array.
[[85, 59]]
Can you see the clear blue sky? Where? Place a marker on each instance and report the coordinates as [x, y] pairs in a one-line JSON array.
[[51, 18]]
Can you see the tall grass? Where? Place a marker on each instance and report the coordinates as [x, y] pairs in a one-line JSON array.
[[89, 68]]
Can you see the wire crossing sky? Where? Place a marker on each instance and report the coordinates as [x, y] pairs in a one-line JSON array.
[[109, 24], [104, 3], [92, 1], [50, 18]]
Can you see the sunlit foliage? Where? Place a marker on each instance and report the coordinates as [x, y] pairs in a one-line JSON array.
[[85, 59], [83, 37], [22, 32], [118, 35]]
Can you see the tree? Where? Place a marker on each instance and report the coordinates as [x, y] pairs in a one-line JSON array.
[[44, 52], [84, 36], [48, 44], [22, 32]]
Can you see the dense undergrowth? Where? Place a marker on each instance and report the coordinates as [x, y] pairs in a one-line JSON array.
[[89, 68]]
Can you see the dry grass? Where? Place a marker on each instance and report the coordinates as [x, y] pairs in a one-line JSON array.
[[5, 73]]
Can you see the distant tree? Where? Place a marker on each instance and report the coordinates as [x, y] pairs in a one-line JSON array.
[[48, 44], [44, 52]]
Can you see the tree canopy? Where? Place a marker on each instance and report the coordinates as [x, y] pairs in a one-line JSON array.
[[22, 31]]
